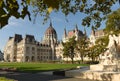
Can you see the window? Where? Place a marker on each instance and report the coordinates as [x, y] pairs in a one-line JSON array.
[[33, 58], [33, 49], [27, 48], [38, 58], [27, 58]]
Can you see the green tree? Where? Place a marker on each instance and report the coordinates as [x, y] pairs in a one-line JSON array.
[[10, 8], [95, 10], [98, 48], [82, 47], [69, 48], [113, 23]]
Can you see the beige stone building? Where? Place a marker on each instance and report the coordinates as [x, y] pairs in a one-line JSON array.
[[67, 35], [95, 35], [75, 32], [27, 49]]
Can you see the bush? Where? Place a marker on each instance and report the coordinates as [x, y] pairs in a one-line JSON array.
[[91, 62]]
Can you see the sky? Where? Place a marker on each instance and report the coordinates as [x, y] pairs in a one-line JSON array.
[[24, 26]]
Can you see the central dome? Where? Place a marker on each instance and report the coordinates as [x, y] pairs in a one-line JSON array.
[[50, 32]]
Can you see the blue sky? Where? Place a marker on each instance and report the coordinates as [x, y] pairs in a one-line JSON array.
[[23, 27]]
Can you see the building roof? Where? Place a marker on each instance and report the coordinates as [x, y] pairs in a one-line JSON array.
[[10, 38], [30, 37], [0, 52], [98, 32], [80, 33], [17, 38], [72, 33], [50, 30]]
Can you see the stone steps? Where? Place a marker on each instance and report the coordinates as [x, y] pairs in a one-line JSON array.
[[93, 75]]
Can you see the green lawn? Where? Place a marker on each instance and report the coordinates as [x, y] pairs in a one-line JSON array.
[[38, 67], [5, 79]]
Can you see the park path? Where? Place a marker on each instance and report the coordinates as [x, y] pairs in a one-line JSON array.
[[36, 77]]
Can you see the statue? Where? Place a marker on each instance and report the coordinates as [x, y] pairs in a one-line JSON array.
[[110, 56], [110, 59]]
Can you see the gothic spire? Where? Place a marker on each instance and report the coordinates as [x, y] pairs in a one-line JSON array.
[[50, 23], [93, 31], [85, 32], [76, 27], [65, 33]]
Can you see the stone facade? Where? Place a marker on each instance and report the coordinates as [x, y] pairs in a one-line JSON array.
[[75, 32], [27, 49], [110, 59], [67, 35], [1, 56], [95, 35]]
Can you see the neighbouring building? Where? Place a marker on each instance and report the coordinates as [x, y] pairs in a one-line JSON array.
[[95, 35], [1, 55], [67, 35], [75, 32], [27, 49]]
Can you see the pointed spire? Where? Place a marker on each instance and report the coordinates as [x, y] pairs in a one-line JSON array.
[[93, 31], [50, 23], [65, 33], [85, 32], [76, 27]]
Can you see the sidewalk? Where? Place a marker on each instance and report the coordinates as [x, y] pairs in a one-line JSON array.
[[44, 76]]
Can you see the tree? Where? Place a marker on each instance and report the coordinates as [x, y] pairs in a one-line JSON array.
[[92, 53], [98, 48], [69, 48], [81, 47], [10, 8], [95, 10], [113, 23]]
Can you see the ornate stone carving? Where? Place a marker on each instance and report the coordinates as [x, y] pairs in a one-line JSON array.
[[109, 60]]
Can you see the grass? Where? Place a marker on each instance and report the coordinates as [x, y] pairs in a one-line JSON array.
[[38, 67], [5, 79]]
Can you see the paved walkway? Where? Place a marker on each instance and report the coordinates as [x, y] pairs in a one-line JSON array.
[[36, 77]]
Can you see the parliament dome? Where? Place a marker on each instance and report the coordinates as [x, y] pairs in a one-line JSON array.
[[51, 32]]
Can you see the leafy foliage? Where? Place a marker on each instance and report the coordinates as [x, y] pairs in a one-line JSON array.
[[95, 10], [69, 48], [10, 8], [82, 47], [98, 48], [113, 23]]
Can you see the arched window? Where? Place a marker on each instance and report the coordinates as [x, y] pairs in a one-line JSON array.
[[38, 58], [27, 58], [33, 58]]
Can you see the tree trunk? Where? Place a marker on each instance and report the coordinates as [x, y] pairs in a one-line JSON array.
[[72, 60], [82, 59]]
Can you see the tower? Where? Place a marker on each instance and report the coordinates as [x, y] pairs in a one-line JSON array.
[[50, 38], [64, 35]]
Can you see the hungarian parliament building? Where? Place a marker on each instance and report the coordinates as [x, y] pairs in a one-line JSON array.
[[27, 49]]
